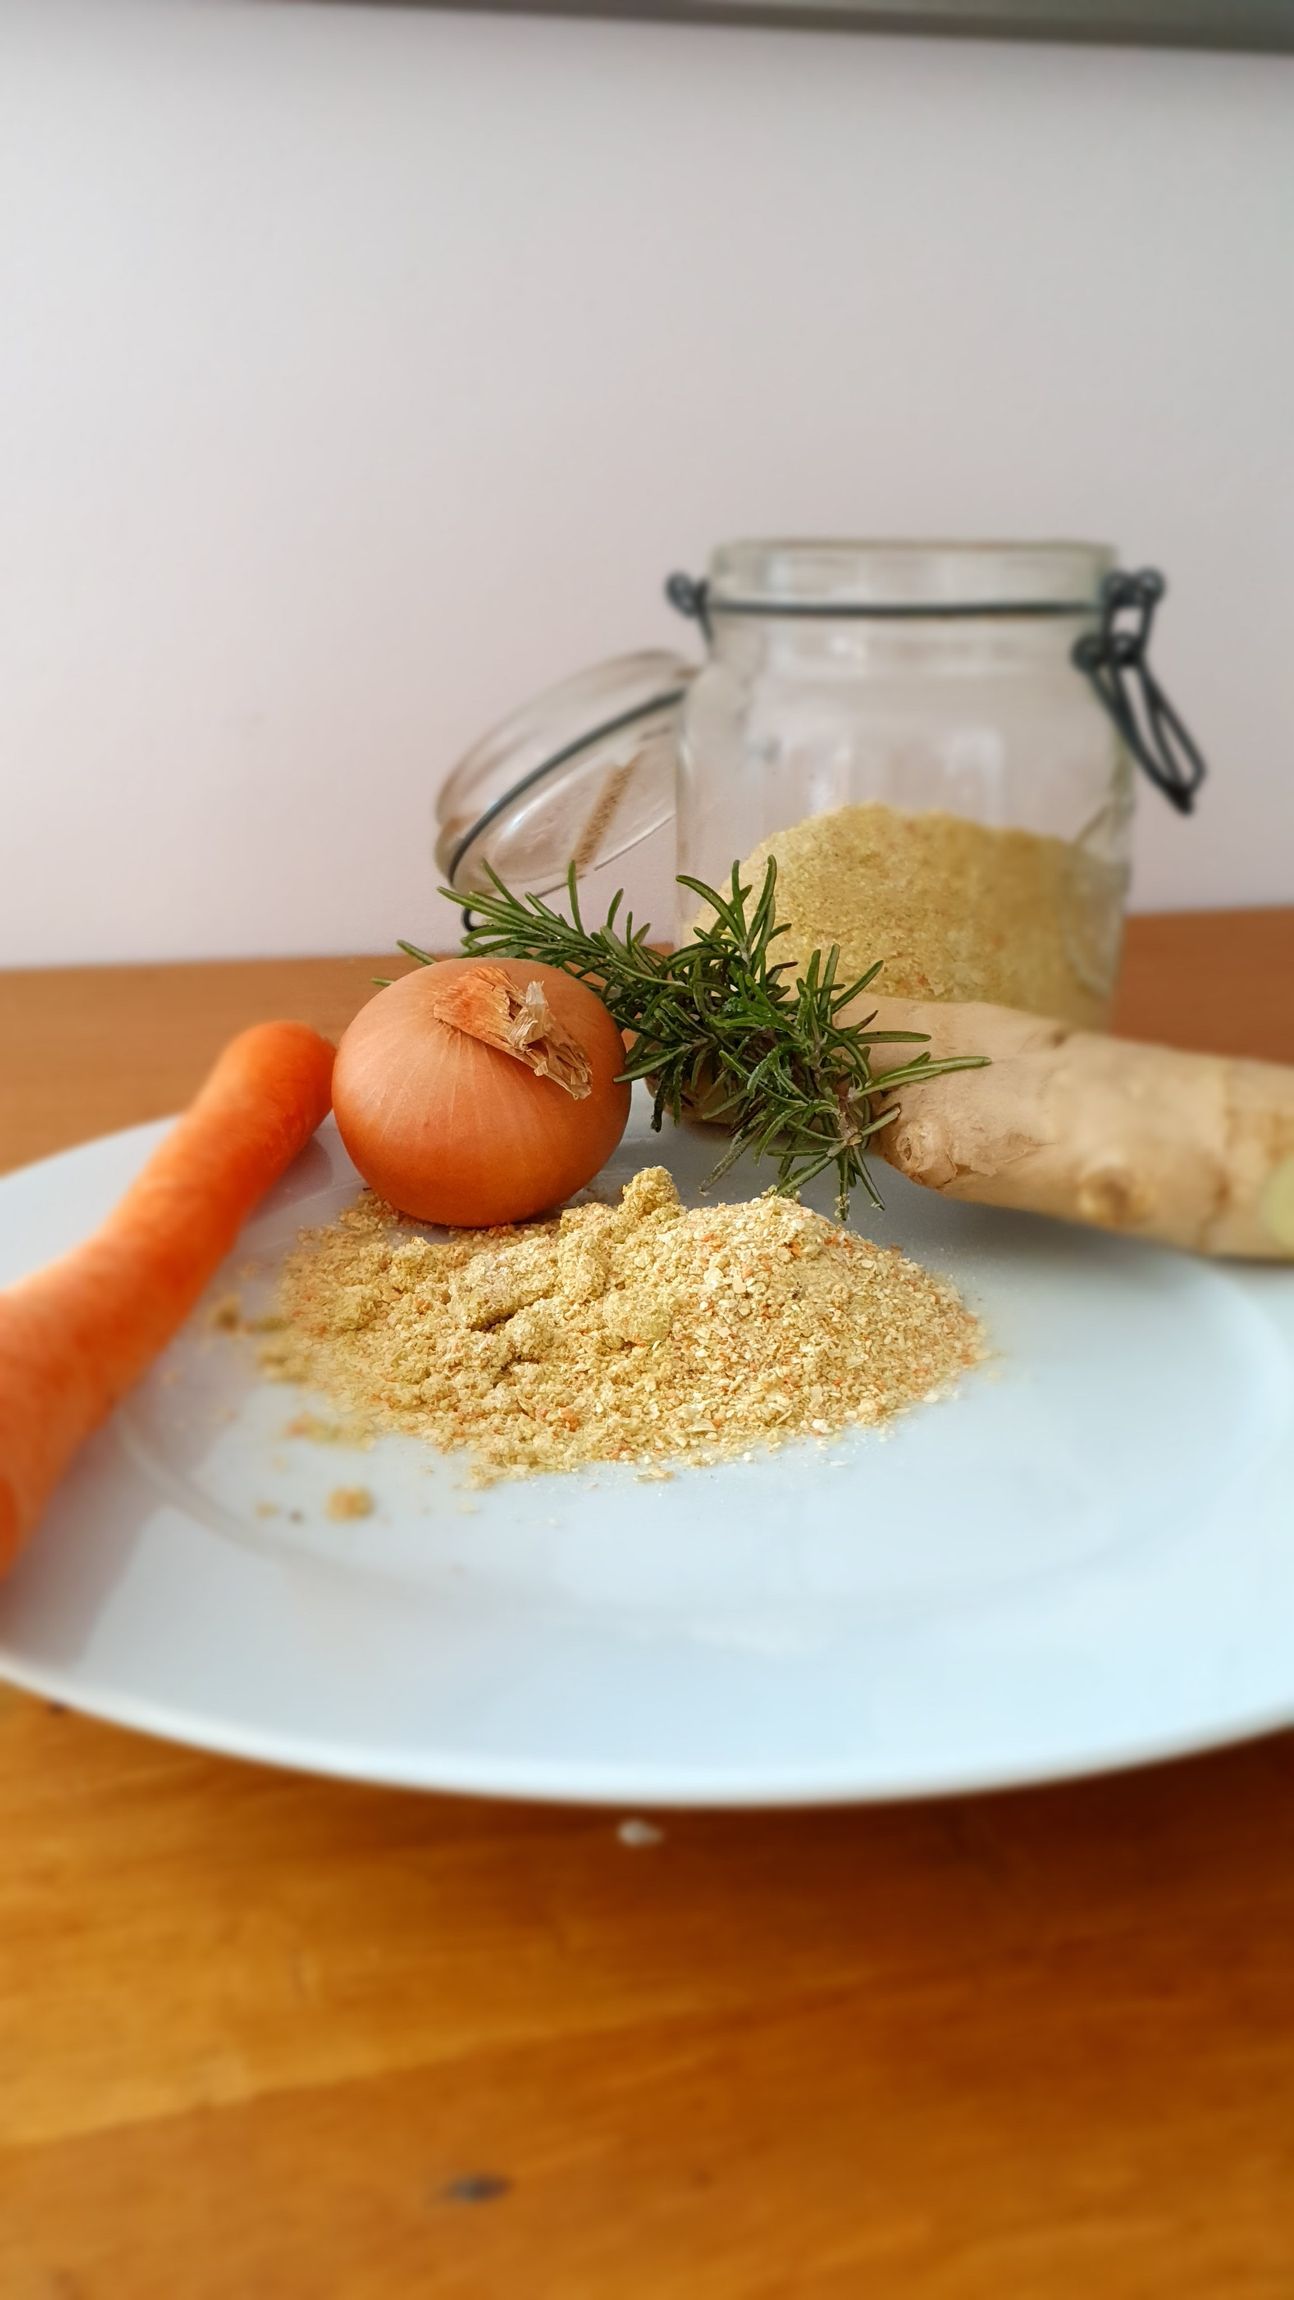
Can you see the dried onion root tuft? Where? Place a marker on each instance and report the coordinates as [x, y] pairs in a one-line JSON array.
[[489, 1006]]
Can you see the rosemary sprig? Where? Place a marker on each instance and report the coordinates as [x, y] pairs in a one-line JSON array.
[[721, 1024]]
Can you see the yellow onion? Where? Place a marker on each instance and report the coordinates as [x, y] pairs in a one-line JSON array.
[[480, 1091]]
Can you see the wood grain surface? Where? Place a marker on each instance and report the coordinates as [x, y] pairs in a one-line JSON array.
[[270, 2038]]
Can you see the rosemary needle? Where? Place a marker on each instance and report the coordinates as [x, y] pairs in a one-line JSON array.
[[722, 1023]]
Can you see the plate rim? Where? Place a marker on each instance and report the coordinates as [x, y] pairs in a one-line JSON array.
[[560, 1782]]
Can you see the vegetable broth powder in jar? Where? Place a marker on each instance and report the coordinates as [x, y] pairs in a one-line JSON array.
[[954, 908]]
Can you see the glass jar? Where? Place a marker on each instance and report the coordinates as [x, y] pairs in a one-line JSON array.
[[903, 727], [934, 742]]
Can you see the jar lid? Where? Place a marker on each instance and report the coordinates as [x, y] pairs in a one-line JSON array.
[[579, 775]]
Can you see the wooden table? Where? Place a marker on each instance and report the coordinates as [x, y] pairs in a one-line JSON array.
[[264, 2038]]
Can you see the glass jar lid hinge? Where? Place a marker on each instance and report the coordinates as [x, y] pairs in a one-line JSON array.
[[1113, 657]]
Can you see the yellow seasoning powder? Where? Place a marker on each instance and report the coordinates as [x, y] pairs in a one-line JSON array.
[[643, 1332], [955, 909]]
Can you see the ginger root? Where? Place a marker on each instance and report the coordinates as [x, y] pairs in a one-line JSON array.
[[1193, 1150]]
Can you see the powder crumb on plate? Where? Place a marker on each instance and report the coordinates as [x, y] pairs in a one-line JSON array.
[[348, 1501], [641, 1333], [226, 1315], [323, 1432]]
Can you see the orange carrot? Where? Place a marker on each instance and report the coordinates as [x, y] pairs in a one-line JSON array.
[[77, 1334]]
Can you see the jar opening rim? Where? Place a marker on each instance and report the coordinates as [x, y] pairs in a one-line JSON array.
[[844, 576]]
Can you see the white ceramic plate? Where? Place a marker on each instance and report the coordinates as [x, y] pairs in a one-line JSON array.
[[1084, 1559]]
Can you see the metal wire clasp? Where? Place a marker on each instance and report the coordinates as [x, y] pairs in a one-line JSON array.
[[1113, 658], [691, 598]]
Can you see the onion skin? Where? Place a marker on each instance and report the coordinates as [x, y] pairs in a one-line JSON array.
[[451, 1131]]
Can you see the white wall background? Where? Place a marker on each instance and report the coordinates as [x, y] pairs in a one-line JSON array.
[[362, 370]]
